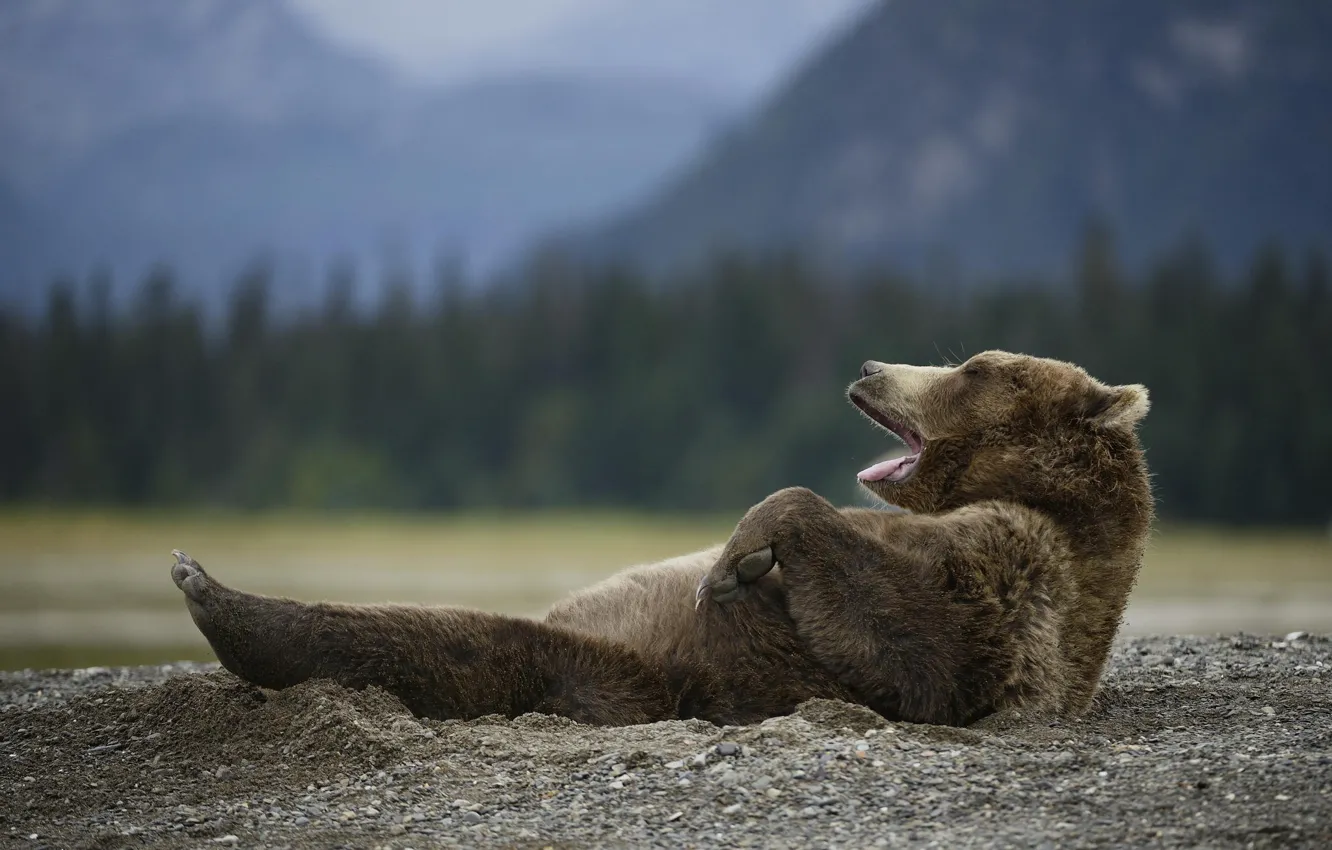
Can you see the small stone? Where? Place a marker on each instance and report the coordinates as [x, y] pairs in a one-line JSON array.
[[471, 818], [617, 784], [732, 809], [1269, 711], [1294, 636], [773, 793], [762, 783], [699, 760], [675, 765], [230, 840], [371, 811], [617, 769], [809, 812], [727, 748], [397, 829], [301, 821], [673, 816], [224, 772]]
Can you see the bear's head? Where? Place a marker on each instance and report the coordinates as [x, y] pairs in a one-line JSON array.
[[1005, 426]]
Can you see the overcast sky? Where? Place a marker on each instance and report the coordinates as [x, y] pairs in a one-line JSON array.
[[734, 47]]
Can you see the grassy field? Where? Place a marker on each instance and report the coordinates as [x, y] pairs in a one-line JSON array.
[[81, 588]]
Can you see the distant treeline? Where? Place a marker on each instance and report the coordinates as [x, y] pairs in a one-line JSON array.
[[602, 388]]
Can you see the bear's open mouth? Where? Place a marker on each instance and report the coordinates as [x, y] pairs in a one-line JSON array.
[[899, 468]]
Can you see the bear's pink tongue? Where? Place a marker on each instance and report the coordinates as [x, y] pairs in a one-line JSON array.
[[883, 469]]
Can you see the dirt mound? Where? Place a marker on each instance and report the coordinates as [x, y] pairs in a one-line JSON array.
[[835, 715], [212, 726], [216, 716]]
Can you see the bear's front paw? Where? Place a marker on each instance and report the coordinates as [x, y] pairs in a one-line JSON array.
[[727, 577]]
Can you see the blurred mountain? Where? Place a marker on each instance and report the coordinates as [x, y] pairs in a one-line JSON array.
[[75, 73], [472, 172], [986, 135], [200, 132]]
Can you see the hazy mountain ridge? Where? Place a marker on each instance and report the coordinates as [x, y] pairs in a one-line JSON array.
[[201, 132], [473, 172], [991, 133], [74, 74]]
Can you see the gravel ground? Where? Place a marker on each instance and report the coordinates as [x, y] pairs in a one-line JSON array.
[[1216, 742]]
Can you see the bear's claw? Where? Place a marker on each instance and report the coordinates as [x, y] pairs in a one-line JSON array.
[[725, 590]]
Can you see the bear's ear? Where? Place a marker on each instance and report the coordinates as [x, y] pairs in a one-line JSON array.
[[1119, 407]]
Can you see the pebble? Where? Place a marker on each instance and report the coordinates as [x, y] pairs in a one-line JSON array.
[[224, 772], [231, 840], [471, 818], [732, 809], [727, 748]]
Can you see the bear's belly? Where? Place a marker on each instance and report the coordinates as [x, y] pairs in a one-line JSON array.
[[745, 658], [649, 608]]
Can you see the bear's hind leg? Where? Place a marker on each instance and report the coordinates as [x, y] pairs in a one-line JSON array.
[[441, 662]]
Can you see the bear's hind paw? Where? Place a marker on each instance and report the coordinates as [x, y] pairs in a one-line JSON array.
[[189, 576]]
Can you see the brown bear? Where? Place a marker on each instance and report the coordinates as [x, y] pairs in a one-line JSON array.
[[1000, 586]]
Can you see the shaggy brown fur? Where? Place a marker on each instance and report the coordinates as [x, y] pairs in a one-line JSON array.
[[1000, 587]]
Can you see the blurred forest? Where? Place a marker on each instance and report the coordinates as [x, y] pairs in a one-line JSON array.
[[578, 387]]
